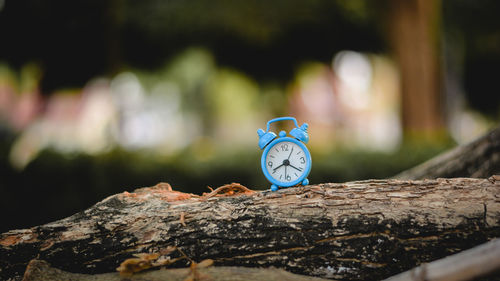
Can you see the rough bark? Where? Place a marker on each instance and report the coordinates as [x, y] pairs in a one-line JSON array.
[[478, 159], [362, 230]]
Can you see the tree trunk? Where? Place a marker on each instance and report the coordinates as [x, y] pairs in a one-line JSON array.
[[414, 29], [478, 159], [362, 230]]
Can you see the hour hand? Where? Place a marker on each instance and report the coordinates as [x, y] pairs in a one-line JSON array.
[[274, 170]]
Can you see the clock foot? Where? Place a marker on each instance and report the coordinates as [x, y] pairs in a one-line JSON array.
[[305, 182], [274, 188]]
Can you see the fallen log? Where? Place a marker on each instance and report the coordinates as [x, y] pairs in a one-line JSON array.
[[477, 159], [363, 230], [41, 271], [480, 261]]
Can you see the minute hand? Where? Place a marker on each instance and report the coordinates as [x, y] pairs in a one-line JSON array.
[[290, 154]]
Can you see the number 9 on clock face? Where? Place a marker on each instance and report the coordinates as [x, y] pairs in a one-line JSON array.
[[287, 162]]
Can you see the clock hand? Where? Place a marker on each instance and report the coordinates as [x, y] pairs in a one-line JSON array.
[[298, 169], [274, 170], [290, 154], [285, 171]]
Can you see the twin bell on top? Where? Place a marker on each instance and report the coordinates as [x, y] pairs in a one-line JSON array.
[[299, 133]]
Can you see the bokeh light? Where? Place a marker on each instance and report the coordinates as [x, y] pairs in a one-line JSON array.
[[99, 99]]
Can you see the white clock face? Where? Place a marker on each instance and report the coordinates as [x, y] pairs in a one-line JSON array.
[[286, 161]]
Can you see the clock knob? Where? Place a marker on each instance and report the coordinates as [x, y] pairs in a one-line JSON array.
[[265, 138], [300, 133]]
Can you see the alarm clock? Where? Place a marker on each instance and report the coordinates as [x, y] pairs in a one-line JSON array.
[[286, 161]]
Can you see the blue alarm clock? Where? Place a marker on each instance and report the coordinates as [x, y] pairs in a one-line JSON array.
[[285, 161]]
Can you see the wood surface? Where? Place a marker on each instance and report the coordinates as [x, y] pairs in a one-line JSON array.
[[42, 271], [481, 261], [363, 230]]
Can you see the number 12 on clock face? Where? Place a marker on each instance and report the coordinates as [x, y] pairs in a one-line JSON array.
[[286, 161]]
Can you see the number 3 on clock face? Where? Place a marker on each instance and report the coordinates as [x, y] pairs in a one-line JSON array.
[[287, 162]]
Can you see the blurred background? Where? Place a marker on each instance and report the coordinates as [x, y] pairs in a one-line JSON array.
[[102, 96]]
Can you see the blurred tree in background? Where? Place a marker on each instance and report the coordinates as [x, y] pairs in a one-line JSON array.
[[97, 97], [415, 29]]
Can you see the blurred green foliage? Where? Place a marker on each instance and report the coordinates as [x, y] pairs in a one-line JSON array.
[[253, 42]]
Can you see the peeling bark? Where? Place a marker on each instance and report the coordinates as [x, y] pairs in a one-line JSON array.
[[364, 230], [478, 159]]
